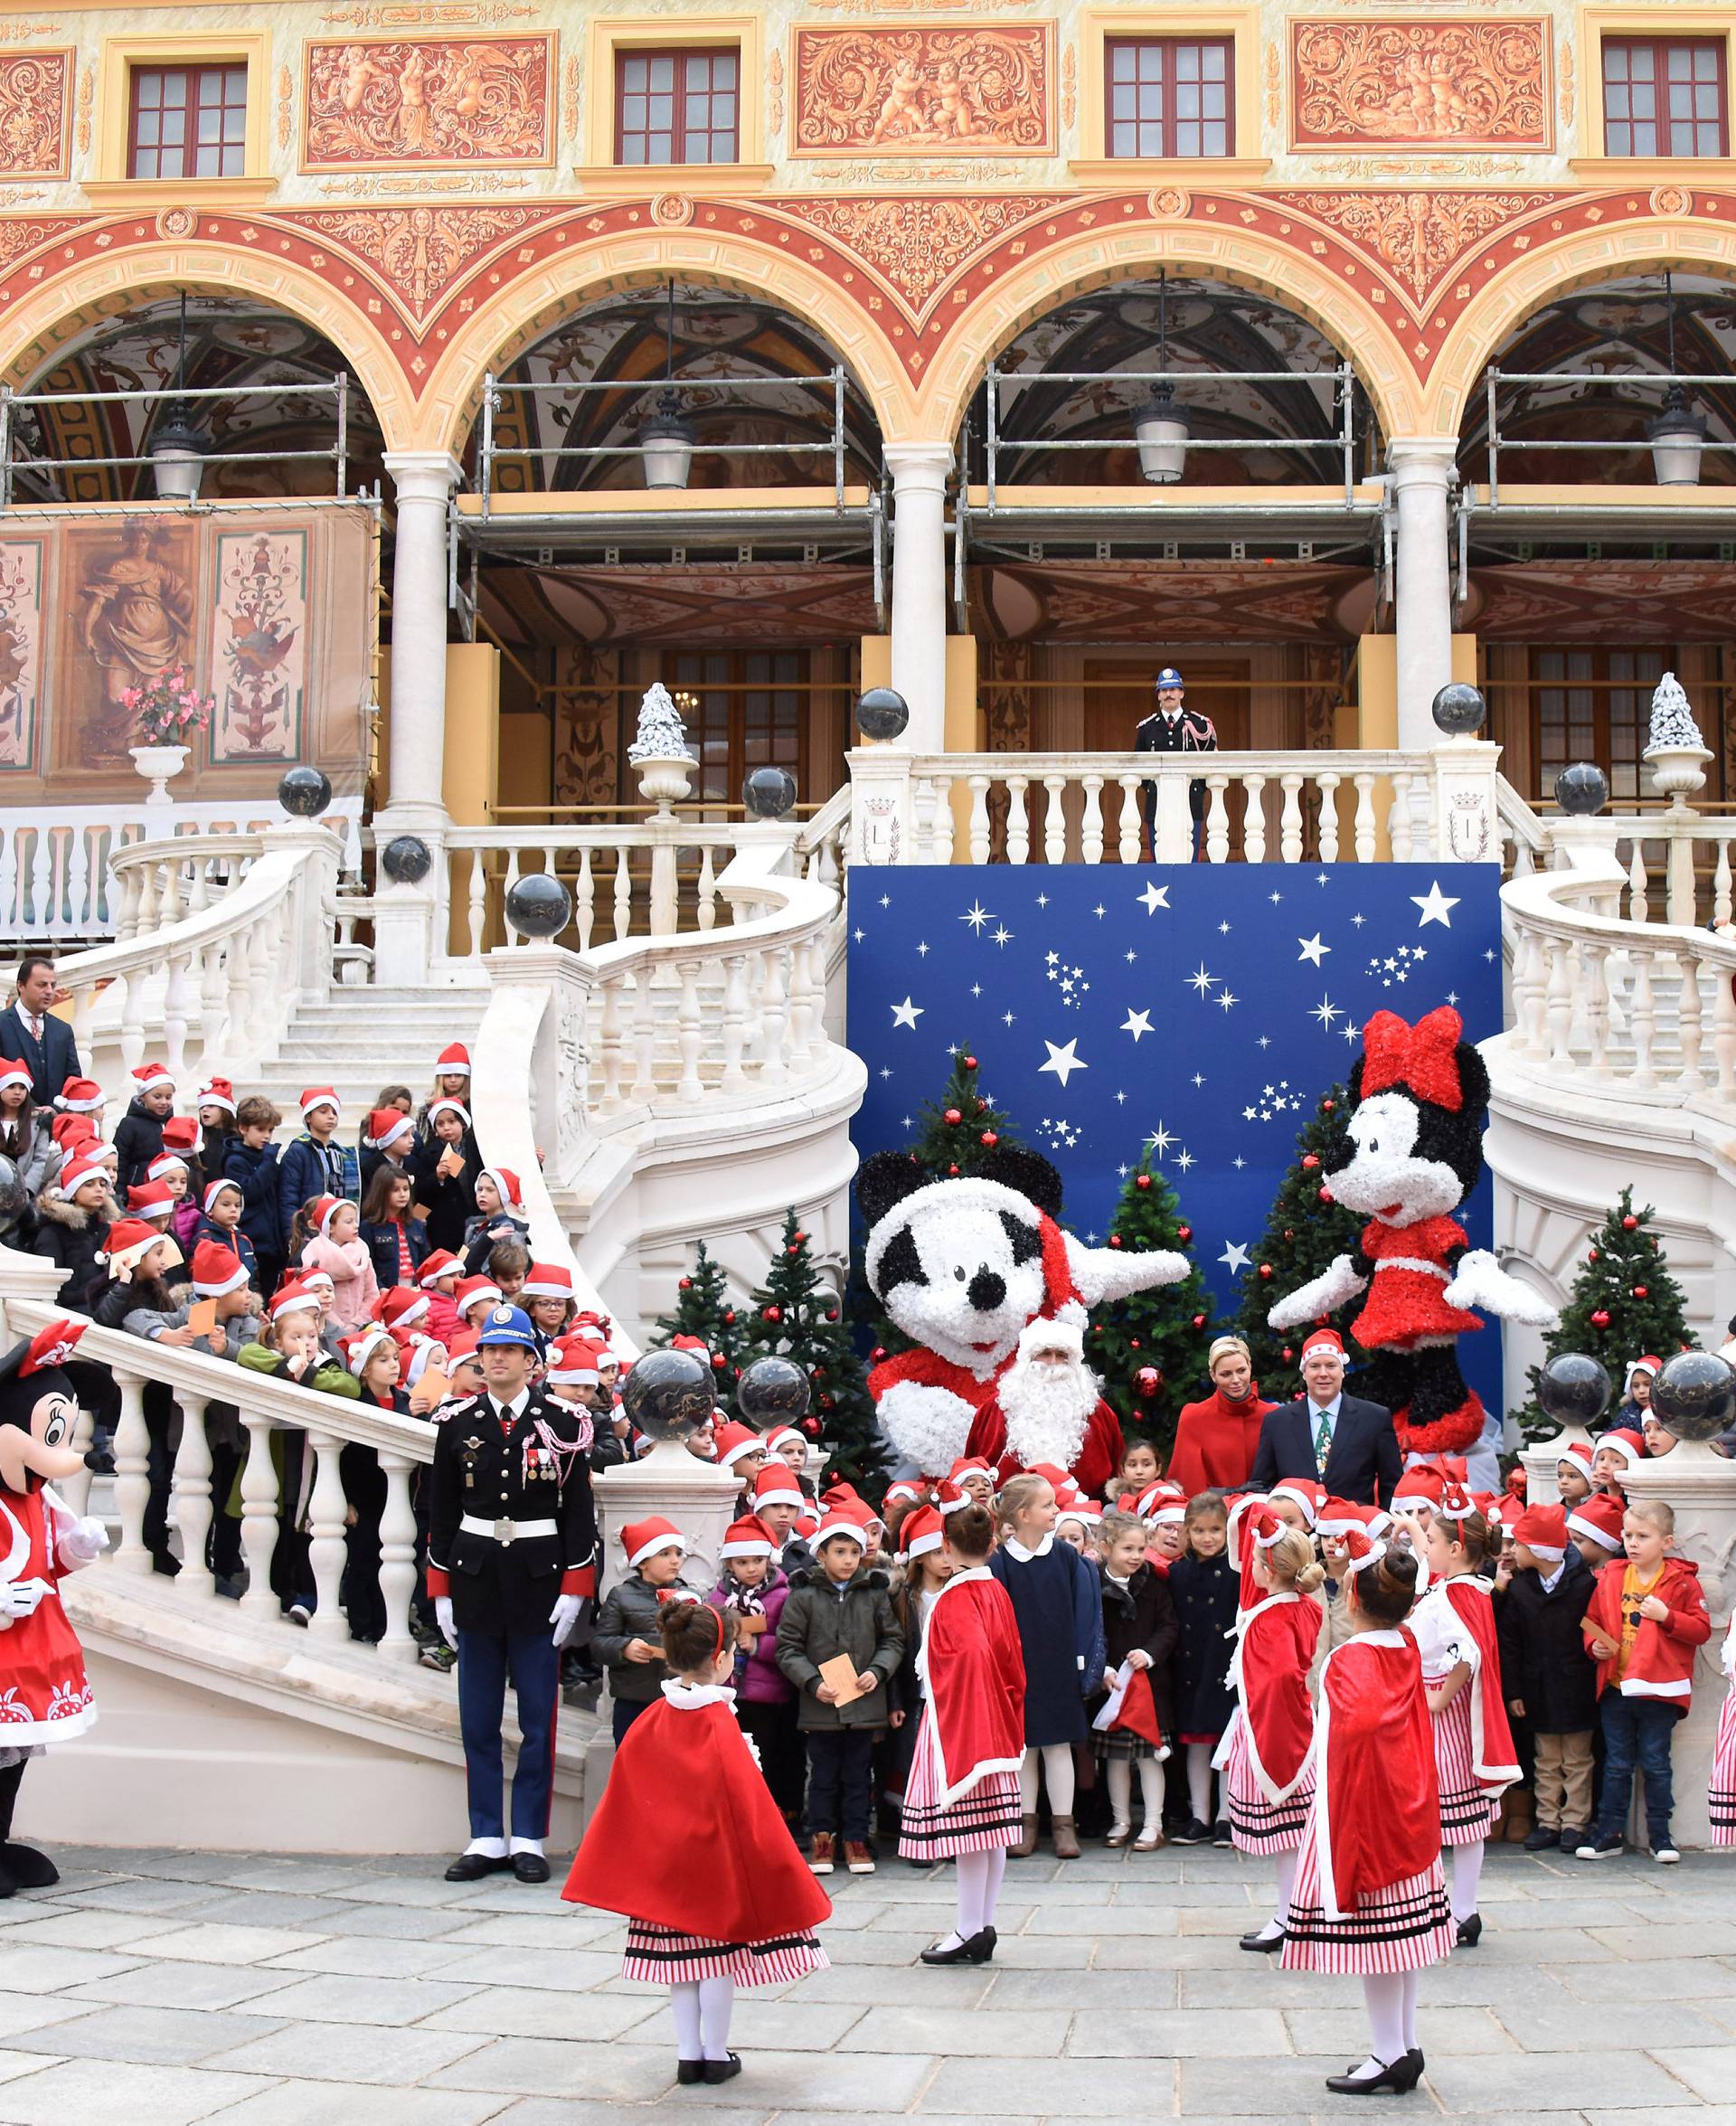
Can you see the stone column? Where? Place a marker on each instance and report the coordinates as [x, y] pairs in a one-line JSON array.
[[1420, 469], [919, 588], [424, 480]]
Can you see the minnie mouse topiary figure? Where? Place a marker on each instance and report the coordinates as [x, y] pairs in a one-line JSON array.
[[1418, 1102]]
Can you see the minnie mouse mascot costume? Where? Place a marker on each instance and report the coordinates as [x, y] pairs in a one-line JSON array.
[[1419, 1098], [44, 1695]]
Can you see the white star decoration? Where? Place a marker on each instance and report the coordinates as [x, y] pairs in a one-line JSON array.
[[975, 915], [1326, 1011], [1234, 1256], [1436, 906], [1201, 981], [1312, 948], [1136, 1023], [1154, 898], [907, 1014], [1063, 1061]]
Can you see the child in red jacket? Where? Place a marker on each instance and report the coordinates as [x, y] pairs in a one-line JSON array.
[[1646, 1618]]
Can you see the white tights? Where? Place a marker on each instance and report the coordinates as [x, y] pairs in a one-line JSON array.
[[701, 2009], [979, 1892], [1392, 2002], [1468, 1871], [1056, 1760], [1199, 1781], [1151, 1791], [1274, 1926]]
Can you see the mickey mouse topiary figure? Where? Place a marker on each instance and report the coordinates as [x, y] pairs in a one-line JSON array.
[[1418, 1102]]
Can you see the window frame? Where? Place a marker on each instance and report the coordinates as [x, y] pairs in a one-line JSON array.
[[1169, 44], [113, 133], [732, 693], [1087, 140], [599, 176], [1660, 47], [1601, 685], [678, 54], [196, 73]]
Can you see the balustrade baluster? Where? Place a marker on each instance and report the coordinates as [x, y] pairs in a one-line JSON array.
[[1596, 1009], [131, 985], [689, 1086], [1327, 786], [1253, 819], [1721, 897], [510, 879], [1364, 833], [398, 1557], [234, 975], [132, 1478], [978, 817], [1398, 825], [1289, 827], [259, 1516], [259, 971], [78, 874], [943, 823], [477, 902], [75, 1489], [1217, 819], [705, 908], [1643, 1018], [192, 1505], [41, 880], [922, 819], [198, 887], [1127, 827], [145, 925], [1054, 819], [1558, 994], [735, 1022], [1638, 902], [1723, 1030], [644, 1037], [1528, 993], [10, 913], [1018, 820], [584, 900], [614, 1054], [773, 1016], [623, 896], [175, 1016], [1690, 1077], [1091, 820], [327, 1551]]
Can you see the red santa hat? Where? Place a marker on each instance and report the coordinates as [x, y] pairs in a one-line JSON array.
[[1167, 1505], [14, 1074], [165, 1162], [297, 1297], [80, 1170], [747, 1537], [1339, 1517], [1578, 1453], [774, 1439], [472, 1289], [907, 1489], [181, 1133], [399, 1308], [949, 1498], [1076, 1507], [966, 1465], [130, 1238], [1542, 1529], [384, 1126], [1419, 1483], [1650, 1367], [1323, 1339], [217, 1093], [215, 1188], [1303, 1492], [775, 1486], [216, 1270], [53, 1345], [573, 1363], [1629, 1446], [506, 1182], [924, 1531], [315, 1096], [79, 1096], [361, 1346], [151, 1078], [838, 1521], [1264, 1525], [734, 1441], [1048, 1334], [1361, 1550], [325, 1209], [1599, 1518], [151, 1199], [453, 1060], [644, 1539], [417, 1353], [441, 1263], [436, 1108], [70, 1131], [548, 1280]]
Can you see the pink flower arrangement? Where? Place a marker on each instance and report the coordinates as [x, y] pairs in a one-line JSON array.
[[170, 708]]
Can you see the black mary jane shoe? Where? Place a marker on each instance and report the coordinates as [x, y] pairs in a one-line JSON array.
[[1413, 2064], [690, 2070], [28, 1868], [471, 1868], [530, 1867], [1470, 1930], [1394, 2080], [720, 2070], [975, 1949], [987, 1939], [1263, 1944]]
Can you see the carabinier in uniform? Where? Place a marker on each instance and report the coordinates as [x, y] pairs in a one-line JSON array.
[[512, 1558], [1174, 729]]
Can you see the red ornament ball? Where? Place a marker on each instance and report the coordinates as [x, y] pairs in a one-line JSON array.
[[1266, 1271], [772, 1314], [1288, 1235], [1287, 1354], [1600, 1317], [1133, 1343], [989, 1137], [801, 1239], [1199, 1321], [1184, 1234], [1115, 1240], [686, 1285], [811, 1426], [719, 1362], [878, 1353], [1325, 1193], [728, 1318], [982, 1107], [1146, 1382], [1142, 1181], [1590, 1255], [792, 1251], [831, 1314], [970, 1063], [1640, 1290], [953, 1171], [1326, 1106], [1310, 1160], [1631, 1224], [953, 1115]]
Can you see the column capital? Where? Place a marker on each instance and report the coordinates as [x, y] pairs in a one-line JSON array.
[[918, 465], [1422, 460], [422, 476]]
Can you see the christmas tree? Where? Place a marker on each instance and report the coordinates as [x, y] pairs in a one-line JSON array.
[[704, 1308], [1302, 1234], [1625, 1305], [794, 1314], [1149, 1348]]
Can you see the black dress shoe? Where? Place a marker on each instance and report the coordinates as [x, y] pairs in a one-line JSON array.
[[1395, 2080], [1413, 2064], [30, 1870], [1470, 1930], [720, 2070], [690, 2070], [530, 1867], [1263, 1944], [470, 1867], [978, 1948], [988, 1938]]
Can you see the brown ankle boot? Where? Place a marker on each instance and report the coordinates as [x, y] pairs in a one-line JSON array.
[[1027, 1844], [1066, 1838]]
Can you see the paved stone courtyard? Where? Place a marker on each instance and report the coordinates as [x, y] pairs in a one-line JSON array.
[[155, 1988]]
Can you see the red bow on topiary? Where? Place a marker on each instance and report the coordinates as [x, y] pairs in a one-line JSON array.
[[1419, 1057]]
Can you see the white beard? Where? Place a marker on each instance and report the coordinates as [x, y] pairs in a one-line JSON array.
[[1047, 1409]]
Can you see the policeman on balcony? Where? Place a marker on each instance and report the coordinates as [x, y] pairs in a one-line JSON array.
[[512, 1556], [1173, 728]]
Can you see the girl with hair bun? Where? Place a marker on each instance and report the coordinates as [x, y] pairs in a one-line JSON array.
[[715, 1894], [1369, 1898]]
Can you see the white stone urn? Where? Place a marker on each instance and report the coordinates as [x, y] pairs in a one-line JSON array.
[[158, 764], [665, 781], [1677, 771]]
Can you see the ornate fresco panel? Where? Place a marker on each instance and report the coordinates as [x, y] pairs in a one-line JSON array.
[[21, 650], [1419, 236], [924, 91], [258, 658], [420, 251], [916, 245], [1407, 84], [412, 100], [35, 101]]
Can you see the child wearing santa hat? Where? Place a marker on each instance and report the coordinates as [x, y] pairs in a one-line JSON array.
[[221, 1210], [1637, 1393], [445, 1164], [331, 1240], [499, 1216], [751, 1591], [1369, 1897], [1549, 1679], [1615, 1454], [388, 1138], [314, 1163], [438, 1277], [1453, 1625], [1139, 1632], [625, 1638], [138, 1140], [451, 1082], [1594, 1529], [778, 1501], [715, 1892], [1573, 1474]]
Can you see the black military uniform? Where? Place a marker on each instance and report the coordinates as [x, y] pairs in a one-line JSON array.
[[512, 1527], [1187, 731]]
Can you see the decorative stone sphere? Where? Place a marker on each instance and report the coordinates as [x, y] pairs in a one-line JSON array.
[[406, 859], [304, 793], [1694, 1396], [772, 1390], [1573, 1389], [1459, 708], [881, 714], [539, 905], [667, 1394], [1582, 788], [768, 793]]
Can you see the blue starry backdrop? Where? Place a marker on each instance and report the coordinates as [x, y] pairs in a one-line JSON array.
[[1197, 1010]]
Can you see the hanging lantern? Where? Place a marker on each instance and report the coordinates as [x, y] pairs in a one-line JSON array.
[[1678, 434], [179, 447], [1160, 427], [665, 440]]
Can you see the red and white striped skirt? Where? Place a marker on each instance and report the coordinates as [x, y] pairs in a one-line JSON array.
[[1722, 1799], [1467, 1811], [663, 1956], [1256, 1824], [1405, 1927], [991, 1814]]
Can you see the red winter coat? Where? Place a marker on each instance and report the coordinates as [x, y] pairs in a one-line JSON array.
[[1376, 1800], [1215, 1442], [1662, 1666]]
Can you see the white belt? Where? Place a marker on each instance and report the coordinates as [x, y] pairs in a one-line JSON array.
[[504, 1531]]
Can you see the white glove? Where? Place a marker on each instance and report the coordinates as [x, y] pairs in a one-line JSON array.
[[84, 1542], [20, 1598], [443, 1618], [564, 1615]]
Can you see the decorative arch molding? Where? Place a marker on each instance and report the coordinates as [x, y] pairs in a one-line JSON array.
[[1546, 272], [43, 316]]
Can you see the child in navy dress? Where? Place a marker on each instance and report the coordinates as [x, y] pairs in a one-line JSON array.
[[1203, 1590], [1056, 1599]]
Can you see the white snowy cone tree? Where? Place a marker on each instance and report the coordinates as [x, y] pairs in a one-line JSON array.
[[662, 735], [1673, 725]]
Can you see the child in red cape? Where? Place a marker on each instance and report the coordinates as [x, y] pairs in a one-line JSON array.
[[1369, 1897], [715, 1892]]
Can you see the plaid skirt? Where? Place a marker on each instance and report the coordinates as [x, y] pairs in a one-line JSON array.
[[664, 1956], [1256, 1824], [1467, 1811], [991, 1814]]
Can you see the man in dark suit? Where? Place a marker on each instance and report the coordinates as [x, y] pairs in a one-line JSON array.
[[30, 1035], [1347, 1444]]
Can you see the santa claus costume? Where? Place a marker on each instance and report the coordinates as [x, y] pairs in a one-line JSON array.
[[1369, 1898], [1720, 1801], [715, 1892], [1043, 1411], [962, 1800], [1266, 1754], [1453, 1625]]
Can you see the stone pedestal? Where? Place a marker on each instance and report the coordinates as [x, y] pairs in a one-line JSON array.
[[1701, 1487]]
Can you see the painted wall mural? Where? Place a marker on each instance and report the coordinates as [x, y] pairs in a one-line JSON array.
[[929, 91], [1418, 83], [35, 93], [258, 646], [413, 101], [21, 649]]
